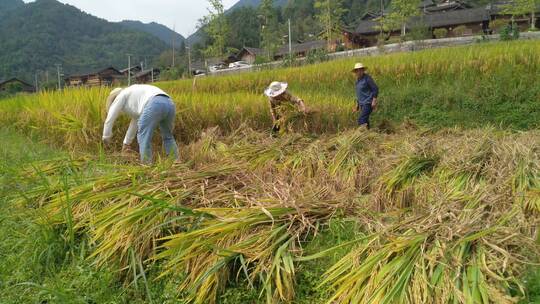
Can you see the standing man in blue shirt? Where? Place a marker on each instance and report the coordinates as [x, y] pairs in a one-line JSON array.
[[367, 93]]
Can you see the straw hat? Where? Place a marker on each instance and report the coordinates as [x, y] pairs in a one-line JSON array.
[[359, 66], [275, 89], [112, 96]]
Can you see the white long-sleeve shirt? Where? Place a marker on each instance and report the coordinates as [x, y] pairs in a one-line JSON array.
[[130, 101]]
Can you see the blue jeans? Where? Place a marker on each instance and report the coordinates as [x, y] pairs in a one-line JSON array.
[[365, 112], [159, 110]]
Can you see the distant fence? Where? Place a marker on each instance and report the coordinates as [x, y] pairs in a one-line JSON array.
[[407, 46]]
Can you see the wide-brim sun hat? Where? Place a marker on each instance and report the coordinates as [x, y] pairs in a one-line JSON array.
[[359, 66], [112, 96], [276, 88]]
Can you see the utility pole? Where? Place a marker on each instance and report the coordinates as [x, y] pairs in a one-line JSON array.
[[290, 39], [382, 16], [152, 75], [58, 72], [36, 79], [129, 69], [189, 60]]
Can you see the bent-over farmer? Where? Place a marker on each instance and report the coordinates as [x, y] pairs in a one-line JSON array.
[[148, 107], [279, 96], [367, 93]]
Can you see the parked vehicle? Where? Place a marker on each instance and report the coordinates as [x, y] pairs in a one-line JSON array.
[[239, 64], [199, 72], [217, 67]]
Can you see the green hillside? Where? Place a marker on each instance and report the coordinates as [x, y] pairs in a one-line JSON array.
[[40, 34], [6, 5], [158, 30]]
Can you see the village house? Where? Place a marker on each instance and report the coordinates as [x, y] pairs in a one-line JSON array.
[[523, 22], [134, 70], [249, 54], [301, 49], [15, 85], [147, 76], [106, 77], [456, 17]]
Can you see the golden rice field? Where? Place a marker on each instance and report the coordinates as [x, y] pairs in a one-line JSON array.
[[487, 84], [440, 203]]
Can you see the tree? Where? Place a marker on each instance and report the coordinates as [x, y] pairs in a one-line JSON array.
[[400, 12], [216, 26], [329, 14], [270, 29], [245, 28], [304, 26], [520, 8]]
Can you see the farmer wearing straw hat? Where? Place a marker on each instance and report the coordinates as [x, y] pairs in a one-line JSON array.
[[367, 93], [148, 107], [279, 96]]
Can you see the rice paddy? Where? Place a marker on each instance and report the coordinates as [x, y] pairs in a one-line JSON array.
[[429, 207]]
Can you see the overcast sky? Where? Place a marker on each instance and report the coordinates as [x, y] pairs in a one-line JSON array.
[[182, 14]]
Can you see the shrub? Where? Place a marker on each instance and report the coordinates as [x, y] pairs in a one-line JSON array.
[[497, 25], [315, 56], [262, 59], [440, 33], [509, 33], [419, 31], [460, 30]]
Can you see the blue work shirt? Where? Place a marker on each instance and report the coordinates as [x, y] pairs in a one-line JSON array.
[[366, 90]]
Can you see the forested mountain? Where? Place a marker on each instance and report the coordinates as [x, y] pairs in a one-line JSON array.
[[36, 36], [6, 5], [247, 7], [162, 32], [255, 3]]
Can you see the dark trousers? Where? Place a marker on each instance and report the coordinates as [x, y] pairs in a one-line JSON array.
[[365, 112]]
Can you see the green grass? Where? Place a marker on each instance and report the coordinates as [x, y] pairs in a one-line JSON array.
[[38, 266]]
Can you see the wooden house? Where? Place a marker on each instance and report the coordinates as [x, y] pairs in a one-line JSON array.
[[448, 15], [15, 85], [147, 76], [134, 70], [249, 54], [523, 22], [301, 49], [106, 77], [462, 22]]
